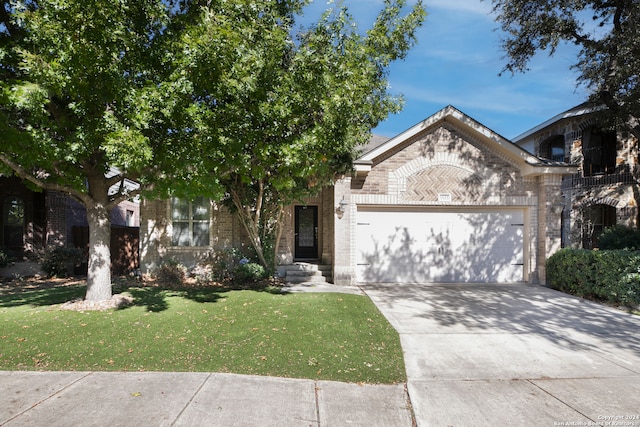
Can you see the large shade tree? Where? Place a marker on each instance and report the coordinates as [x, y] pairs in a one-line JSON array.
[[86, 105], [187, 98], [607, 32], [297, 104]]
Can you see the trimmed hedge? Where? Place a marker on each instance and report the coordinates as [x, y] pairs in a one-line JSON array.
[[611, 276], [249, 272], [619, 237], [60, 261]]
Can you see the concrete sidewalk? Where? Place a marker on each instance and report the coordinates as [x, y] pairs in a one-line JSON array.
[[194, 399]]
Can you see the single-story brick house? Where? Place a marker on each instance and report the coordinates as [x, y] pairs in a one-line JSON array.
[[448, 200]]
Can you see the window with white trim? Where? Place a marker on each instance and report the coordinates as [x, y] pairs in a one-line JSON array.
[[190, 222]]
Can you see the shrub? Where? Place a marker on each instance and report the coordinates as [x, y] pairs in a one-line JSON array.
[[61, 261], [249, 272], [219, 266], [4, 259], [619, 237], [604, 275], [171, 272], [203, 273]]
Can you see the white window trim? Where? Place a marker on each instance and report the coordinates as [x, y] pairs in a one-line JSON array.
[[190, 223]]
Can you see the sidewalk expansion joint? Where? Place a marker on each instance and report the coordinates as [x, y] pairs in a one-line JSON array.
[[559, 400], [191, 399], [48, 397], [315, 391]]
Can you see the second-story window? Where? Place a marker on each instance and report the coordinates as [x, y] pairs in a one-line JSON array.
[[553, 149], [599, 149]]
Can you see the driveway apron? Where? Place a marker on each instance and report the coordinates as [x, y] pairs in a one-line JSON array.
[[484, 355]]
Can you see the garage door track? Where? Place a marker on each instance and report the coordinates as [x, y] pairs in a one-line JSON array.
[[481, 355]]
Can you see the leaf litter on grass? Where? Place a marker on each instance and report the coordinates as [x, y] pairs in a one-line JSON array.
[[319, 336]]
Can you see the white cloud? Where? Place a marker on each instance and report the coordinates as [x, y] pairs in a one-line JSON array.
[[499, 99], [467, 6]]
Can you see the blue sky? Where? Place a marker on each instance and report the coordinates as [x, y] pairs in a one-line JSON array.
[[457, 61]]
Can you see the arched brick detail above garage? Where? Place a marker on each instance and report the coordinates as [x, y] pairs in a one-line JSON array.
[[448, 200]]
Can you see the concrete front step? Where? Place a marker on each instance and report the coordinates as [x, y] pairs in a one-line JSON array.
[[306, 279], [307, 273], [306, 266]]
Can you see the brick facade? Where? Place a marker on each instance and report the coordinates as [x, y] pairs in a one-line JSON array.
[[614, 186], [50, 216], [225, 232], [448, 153], [453, 155]]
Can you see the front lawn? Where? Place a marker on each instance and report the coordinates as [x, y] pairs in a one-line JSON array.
[[312, 335]]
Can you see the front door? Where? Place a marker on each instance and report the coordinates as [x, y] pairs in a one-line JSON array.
[[306, 229]]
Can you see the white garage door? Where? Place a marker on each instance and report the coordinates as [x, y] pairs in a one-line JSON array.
[[417, 246]]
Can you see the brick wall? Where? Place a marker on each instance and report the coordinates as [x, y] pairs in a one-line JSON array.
[[343, 237], [50, 216], [58, 234], [226, 232], [445, 160], [549, 219], [614, 189], [126, 214]]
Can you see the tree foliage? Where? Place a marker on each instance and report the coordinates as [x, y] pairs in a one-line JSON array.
[[295, 104], [189, 98], [87, 106], [607, 33]]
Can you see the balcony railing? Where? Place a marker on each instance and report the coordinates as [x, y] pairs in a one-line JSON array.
[[619, 177]]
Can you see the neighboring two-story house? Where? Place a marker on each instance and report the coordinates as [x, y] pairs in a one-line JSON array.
[[604, 191], [33, 220]]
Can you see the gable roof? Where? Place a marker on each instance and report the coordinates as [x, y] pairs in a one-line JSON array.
[[527, 162], [578, 110], [374, 142]]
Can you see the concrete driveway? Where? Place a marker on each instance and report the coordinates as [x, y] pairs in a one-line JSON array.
[[484, 355]]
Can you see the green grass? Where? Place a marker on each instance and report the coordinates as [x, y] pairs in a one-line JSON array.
[[312, 335]]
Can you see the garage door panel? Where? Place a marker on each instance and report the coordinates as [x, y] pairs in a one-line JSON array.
[[440, 246]]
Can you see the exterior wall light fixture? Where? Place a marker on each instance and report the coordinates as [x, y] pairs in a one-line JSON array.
[[342, 206]]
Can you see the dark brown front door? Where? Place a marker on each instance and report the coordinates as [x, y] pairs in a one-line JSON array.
[[306, 229]]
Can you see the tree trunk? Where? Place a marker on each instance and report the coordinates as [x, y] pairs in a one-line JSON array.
[[253, 232], [251, 222], [99, 273], [278, 235]]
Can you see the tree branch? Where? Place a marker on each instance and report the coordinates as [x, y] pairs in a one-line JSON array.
[[119, 197], [22, 173]]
